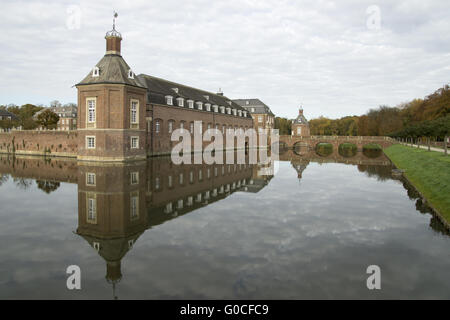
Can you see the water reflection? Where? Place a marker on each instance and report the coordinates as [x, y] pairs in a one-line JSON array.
[[118, 203]]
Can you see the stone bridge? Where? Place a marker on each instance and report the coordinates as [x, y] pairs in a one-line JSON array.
[[311, 141]]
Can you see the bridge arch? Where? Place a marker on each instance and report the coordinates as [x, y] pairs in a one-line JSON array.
[[372, 150], [347, 149], [324, 149]]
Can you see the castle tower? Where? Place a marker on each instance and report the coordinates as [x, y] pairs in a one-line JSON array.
[[111, 104], [300, 126]]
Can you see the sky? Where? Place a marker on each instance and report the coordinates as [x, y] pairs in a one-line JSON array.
[[335, 58]]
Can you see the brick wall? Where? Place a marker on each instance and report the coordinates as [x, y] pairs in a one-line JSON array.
[[48, 143]]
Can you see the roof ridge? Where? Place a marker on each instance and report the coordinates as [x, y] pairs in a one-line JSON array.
[[183, 85]]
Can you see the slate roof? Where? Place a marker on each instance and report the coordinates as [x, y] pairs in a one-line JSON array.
[[259, 106], [4, 113], [158, 89], [300, 120], [114, 70]]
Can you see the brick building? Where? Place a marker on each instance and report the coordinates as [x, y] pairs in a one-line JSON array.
[[67, 116], [263, 118], [300, 126], [125, 116], [8, 117]]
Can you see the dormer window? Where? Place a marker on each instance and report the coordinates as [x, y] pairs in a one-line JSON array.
[[234, 112], [180, 102], [253, 109], [130, 74], [175, 89], [215, 108], [245, 114], [190, 104], [222, 109], [228, 110], [96, 72], [169, 100], [229, 102], [240, 113], [206, 97], [208, 106], [247, 102], [199, 105]]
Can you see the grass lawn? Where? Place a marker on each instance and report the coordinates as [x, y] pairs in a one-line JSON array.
[[429, 171]]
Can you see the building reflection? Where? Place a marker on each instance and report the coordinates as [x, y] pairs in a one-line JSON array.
[[116, 204]]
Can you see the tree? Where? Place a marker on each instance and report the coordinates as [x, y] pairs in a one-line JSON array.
[[48, 119]]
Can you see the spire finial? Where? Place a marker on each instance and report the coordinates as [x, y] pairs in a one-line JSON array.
[[114, 20]]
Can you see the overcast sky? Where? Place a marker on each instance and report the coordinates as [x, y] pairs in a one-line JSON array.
[[335, 57]]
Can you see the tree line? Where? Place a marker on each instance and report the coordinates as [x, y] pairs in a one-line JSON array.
[[385, 120], [26, 116]]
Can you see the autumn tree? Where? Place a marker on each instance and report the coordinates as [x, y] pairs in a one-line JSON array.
[[48, 119]]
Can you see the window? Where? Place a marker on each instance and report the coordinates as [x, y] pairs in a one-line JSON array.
[[215, 108], [228, 110], [157, 126], [134, 178], [91, 210], [175, 89], [208, 106], [134, 206], [91, 102], [169, 182], [190, 104], [252, 109], [245, 113], [240, 113], [234, 112], [170, 126], [134, 142], [90, 142], [90, 179], [169, 100], [260, 119], [299, 130], [180, 102], [182, 126], [199, 106], [134, 111], [95, 72], [130, 74], [222, 109], [191, 127]]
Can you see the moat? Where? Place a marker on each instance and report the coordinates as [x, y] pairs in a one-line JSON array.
[[156, 230]]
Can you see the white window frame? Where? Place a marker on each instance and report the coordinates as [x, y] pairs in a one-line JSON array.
[[134, 177], [96, 72], [134, 206], [134, 138], [199, 105], [169, 100], [91, 112], [88, 145], [130, 74], [190, 104], [208, 106], [180, 102], [215, 108], [91, 179], [91, 209], [134, 112]]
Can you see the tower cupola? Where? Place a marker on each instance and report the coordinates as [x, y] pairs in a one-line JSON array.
[[113, 39]]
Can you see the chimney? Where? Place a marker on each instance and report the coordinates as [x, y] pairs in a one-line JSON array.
[[220, 92], [300, 111], [113, 39]]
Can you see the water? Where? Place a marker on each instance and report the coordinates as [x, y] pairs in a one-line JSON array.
[[309, 231]]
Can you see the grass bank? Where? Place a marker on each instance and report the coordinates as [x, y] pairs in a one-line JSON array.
[[428, 171]]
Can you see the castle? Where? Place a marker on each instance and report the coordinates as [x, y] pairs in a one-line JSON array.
[[124, 116]]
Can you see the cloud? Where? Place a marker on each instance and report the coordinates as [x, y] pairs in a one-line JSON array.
[[318, 53]]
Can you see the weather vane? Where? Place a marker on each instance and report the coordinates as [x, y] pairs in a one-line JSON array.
[[114, 20]]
